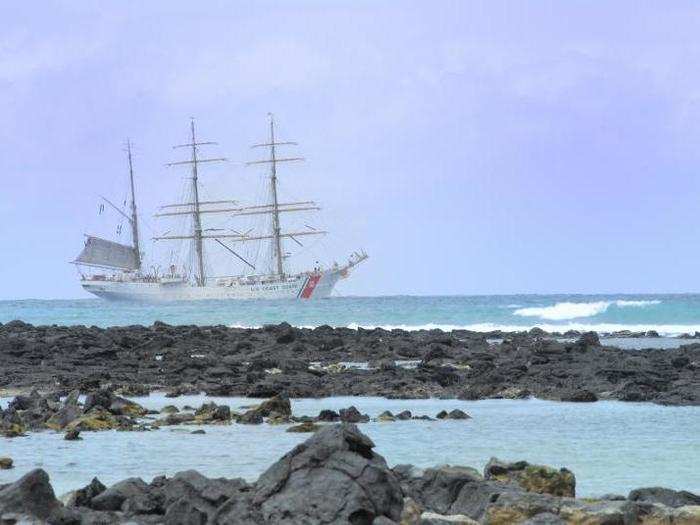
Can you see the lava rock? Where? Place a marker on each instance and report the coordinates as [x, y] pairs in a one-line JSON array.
[[31, 495], [352, 415], [337, 470], [541, 479]]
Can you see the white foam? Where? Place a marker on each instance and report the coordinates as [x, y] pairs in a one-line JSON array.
[[568, 310], [667, 330], [622, 303], [563, 311]]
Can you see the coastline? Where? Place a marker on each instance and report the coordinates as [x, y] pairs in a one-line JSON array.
[[326, 362], [92, 376]]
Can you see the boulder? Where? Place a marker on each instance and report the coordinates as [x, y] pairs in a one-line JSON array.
[[533, 478], [82, 497], [96, 419], [579, 396], [588, 339], [211, 412], [238, 511], [66, 415], [277, 405], [334, 477], [118, 406], [214, 490], [453, 414], [123, 407], [31, 495], [329, 416], [185, 512], [6, 463], [115, 497], [663, 496], [288, 335], [251, 417], [404, 415], [72, 435], [386, 416], [436, 489], [352, 415], [458, 414], [307, 426], [177, 419]]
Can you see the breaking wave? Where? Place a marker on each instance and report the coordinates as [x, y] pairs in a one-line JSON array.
[[567, 310], [665, 330]]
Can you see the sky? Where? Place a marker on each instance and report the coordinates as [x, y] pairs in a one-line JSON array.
[[468, 147]]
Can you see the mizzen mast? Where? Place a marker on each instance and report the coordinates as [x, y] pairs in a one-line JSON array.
[[196, 204], [275, 207]]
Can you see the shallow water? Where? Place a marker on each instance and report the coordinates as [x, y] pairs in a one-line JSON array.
[[610, 446]]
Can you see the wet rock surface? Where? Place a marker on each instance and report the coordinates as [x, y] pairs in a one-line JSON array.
[[102, 410], [300, 362], [336, 477]]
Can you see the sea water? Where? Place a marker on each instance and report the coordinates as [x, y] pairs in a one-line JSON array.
[[610, 446], [666, 314]]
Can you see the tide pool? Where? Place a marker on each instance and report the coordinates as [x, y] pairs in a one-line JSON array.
[[610, 446]]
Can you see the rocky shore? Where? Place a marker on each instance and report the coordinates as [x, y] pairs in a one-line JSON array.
[[335, 477], [104, 410], [325, 361]]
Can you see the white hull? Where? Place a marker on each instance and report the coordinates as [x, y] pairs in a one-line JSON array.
[[302, 286]]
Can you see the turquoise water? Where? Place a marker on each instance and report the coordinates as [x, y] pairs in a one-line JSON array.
[[667, 314], [610, 446]]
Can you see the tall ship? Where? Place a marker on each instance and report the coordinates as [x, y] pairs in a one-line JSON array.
[[261, 252]]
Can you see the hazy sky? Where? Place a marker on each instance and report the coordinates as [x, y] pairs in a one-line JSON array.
[[469, 147]]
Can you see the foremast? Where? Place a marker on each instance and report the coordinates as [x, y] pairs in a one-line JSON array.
[[134, 213]]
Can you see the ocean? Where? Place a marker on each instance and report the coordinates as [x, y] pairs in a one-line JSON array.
[[669, 315]]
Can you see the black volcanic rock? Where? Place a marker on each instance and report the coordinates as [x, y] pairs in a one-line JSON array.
[[301, 362], [338, 471], [31, 495]]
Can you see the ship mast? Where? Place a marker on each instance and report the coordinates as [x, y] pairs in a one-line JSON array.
[[134, 215], [275, 203], [194, 162], [275, 209], [199, 248]]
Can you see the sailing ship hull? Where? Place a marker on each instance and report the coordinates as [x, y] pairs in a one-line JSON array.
[[303, 286]]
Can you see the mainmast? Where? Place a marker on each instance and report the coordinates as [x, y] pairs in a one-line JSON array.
[[275, 204], [134, 216], [201, 277], [198, 246]]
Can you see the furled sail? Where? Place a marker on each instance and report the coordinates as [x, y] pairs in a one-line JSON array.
[[107, 254]]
